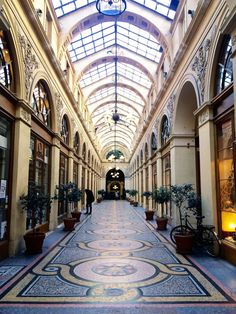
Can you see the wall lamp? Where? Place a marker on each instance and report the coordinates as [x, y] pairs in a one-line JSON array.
[[191, 13], [39, 12]]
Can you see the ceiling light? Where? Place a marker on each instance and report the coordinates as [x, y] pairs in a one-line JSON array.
[[111, 7]]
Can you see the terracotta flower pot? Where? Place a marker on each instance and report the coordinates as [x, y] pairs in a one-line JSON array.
[[76, 215], [34, 242], [161, 223], [149, 214], [99, 200], [135, 204], [69, 224], [184, 243]]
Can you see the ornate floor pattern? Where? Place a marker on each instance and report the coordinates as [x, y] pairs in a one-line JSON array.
[[113, 257]]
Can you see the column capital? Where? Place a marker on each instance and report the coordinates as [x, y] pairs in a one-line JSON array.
[[204, 113]]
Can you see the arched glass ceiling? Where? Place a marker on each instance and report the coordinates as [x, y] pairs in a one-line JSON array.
[[122, 91], [106, 69], [166, 8], [101, 36]]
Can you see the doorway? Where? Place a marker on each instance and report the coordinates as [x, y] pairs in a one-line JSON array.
[[115, 184]]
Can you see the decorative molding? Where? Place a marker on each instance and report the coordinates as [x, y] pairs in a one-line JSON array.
[[25, 116], [170, 108], [200, 64], [30, 62], [59, 109]]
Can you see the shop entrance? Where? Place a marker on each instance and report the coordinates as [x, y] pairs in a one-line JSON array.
[[115, 184]]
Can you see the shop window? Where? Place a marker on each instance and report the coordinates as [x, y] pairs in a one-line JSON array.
[[226, 175], [63, 179], [166, 170], [39, 170], [6, 71], [41, 105], [76, 143], [75, 172], [165, 130], [65, 130], [5, 141]]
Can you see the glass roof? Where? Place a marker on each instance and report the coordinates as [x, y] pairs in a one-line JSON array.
[[121, 91], [63, 7], [101, 36], [163, 7], [106, 69], [166, 8]]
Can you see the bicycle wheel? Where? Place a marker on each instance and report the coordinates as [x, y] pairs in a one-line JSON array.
[[179, 230], [211, 242]]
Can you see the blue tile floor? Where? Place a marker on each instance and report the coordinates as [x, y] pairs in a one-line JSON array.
[[115, 262]]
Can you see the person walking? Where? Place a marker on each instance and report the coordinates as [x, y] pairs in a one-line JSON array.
[[89, 201]]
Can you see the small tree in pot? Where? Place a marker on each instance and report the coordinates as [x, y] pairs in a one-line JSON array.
[[100, 194], [35, 203], [161, 196], [74, 196], [149, 213], [65, 195], [133, 193], [180, 194]]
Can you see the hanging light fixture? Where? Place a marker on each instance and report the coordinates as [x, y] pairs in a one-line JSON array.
[[111, 7]]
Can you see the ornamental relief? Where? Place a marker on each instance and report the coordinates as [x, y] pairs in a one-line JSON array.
[[59, 110], [203, 117], [199, 65], [30, 62], [170, 109], [25, 116]]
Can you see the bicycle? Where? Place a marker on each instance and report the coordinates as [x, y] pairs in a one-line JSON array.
[[204, 235]]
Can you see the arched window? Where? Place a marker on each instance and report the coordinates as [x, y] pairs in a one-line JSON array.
[[65, 130], [89, 157], [6, 72], [165, 130], [84, 151], [141, 157], [146, 152], [224, 75], [76, 143], [153, 143], [40, 104]]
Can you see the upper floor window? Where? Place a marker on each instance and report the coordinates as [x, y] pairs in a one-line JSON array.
[[65, 130], [153, 143], [165, 130], [224, 75], [40, 104], [76, 143], [6, 72], [84, 151]]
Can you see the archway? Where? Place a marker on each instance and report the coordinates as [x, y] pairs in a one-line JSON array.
[[115, 184], [187, 140]]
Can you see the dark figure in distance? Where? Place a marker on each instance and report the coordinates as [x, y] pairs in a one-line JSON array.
[[89, 200]]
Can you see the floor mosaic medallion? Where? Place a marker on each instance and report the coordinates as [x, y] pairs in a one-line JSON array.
[[105, 262]]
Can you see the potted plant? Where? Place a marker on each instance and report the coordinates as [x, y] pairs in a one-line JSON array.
[[161, 196], [64, 195], [127, 192], [35, 203], [74, 196], [133, 193], [180, 194], [100, 193], [149, 213]]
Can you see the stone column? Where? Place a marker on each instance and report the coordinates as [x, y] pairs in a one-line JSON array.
[[55, 171], [207, 163], [20, 173], [183, 163], [145, 187], [80, 167], [149, 169], [70, 166]]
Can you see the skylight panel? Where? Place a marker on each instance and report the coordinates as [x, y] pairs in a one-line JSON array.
[[63, 7], [164, 7], [163, 10]]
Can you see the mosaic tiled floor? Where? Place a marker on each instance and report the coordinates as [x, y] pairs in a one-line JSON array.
[[113, 257]]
